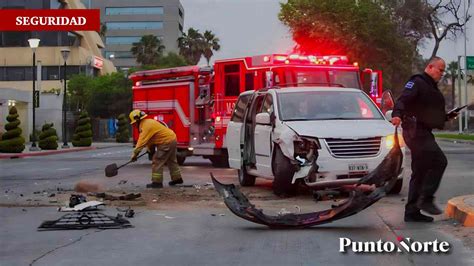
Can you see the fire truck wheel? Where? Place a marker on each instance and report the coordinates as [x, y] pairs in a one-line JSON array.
[[245, 179], [283, 171], [181, 159]]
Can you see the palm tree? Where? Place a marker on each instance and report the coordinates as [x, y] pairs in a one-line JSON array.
[[451, 73], [103, 30], [148, 50], [211, 43], [191, 46]]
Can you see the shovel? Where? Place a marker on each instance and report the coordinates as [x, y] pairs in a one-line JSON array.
[[112, 169]]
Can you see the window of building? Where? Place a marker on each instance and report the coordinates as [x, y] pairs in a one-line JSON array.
[[119, 54], [180, 12], [143, 10], [180, 27], [122, 39], [15, 73], [14, 39], [134, 25]]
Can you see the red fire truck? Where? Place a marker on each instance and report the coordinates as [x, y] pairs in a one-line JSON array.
[[197, 102]]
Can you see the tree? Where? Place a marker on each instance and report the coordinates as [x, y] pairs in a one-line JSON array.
[[171, 60], [12, 141], [211, 43], [79, 90], [452, 73], [48, 139], [104, 96], [446, 19], [123, 134], [148, 49], [83, 134], [363, 30], [103, 30], [410, 19], [191, 46]]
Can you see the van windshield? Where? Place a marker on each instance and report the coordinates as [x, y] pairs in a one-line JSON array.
[[329, 77], [326, 105]]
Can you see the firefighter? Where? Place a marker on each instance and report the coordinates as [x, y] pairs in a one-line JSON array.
[[419, 109], [154, 134]]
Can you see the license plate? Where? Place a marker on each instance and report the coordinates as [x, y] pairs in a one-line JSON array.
[[357, 168]]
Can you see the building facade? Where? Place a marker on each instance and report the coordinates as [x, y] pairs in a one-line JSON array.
[[16, 71], [127, 21]]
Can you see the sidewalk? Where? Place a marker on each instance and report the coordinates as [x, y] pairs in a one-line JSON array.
[[95, 145]]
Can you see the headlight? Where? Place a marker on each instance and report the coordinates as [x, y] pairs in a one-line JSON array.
[[305, 145], [390, 141]]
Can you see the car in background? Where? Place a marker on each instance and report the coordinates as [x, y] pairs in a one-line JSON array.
[[321, 136]]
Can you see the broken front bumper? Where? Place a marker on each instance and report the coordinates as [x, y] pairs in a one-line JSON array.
[[383, 177]]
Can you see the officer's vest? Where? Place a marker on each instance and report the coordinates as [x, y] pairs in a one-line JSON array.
[[429, 107]]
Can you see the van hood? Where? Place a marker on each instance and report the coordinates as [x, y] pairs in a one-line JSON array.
[[341, 128]]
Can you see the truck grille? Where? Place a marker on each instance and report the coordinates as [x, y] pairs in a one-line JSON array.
[[350, 148]]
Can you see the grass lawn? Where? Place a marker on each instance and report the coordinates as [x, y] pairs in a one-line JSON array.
[[455, 136]]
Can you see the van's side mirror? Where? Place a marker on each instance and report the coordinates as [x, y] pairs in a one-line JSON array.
[[263, 119], [388, 115], [387, 103]]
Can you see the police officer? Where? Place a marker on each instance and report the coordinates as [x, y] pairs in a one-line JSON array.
[[154, 134], [419, 109]]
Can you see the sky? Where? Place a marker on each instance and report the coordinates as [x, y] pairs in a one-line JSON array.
[[251, 27]]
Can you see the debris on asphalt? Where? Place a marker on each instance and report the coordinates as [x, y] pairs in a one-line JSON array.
[[154, 200], [76, 199], [86, 186], [121, 182], [84, 220], [51, 195], [169, 217], [21, 195], [85, 206], [129, 213], [108, 196]]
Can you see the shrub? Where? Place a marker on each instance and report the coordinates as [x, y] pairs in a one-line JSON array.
[[83, 134], [12, 141], [123, 134], [48, 138]]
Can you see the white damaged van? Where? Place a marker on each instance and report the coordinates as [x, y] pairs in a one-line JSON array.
[[320, 136]]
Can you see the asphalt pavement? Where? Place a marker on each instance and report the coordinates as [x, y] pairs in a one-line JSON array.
[[201, 230]]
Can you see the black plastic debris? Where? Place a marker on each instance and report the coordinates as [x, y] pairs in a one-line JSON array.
[[76, 199], [384, 177], [85, 220]]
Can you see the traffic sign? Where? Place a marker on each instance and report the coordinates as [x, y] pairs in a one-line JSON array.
[[36, 99], [470, 62]]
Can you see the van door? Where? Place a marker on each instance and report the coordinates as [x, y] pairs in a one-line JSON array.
[[234, 135], [263, 141]]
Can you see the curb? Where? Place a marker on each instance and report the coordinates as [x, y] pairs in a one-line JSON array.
[[461, 209], [456, 140], [43, 153]]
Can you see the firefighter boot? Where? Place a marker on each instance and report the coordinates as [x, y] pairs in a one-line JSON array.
[[154, 185], [175, 182]]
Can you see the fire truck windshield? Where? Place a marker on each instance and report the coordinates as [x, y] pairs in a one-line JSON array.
[[328, 77]]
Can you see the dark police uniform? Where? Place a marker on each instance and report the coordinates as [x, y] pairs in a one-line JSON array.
[[421, 108]]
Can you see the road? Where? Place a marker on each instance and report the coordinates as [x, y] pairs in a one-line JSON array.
[[191, 226]]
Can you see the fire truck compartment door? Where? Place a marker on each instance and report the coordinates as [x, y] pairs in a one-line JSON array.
[[263, 149], [233, 143]]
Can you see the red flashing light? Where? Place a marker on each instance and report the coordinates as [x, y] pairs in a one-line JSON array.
[[266, 59], [356, 64]]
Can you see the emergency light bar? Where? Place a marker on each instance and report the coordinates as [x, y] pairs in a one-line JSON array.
[[301, 59]]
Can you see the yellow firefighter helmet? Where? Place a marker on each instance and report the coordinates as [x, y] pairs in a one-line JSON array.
[[136, 115]]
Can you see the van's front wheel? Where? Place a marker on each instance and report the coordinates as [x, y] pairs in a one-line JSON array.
[[283, 172], [245, 179]]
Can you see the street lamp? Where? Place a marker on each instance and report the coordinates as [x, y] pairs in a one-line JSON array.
[[34, 43], [65, 53]]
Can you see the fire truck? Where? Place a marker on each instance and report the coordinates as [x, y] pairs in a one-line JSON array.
[[197, 102]]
